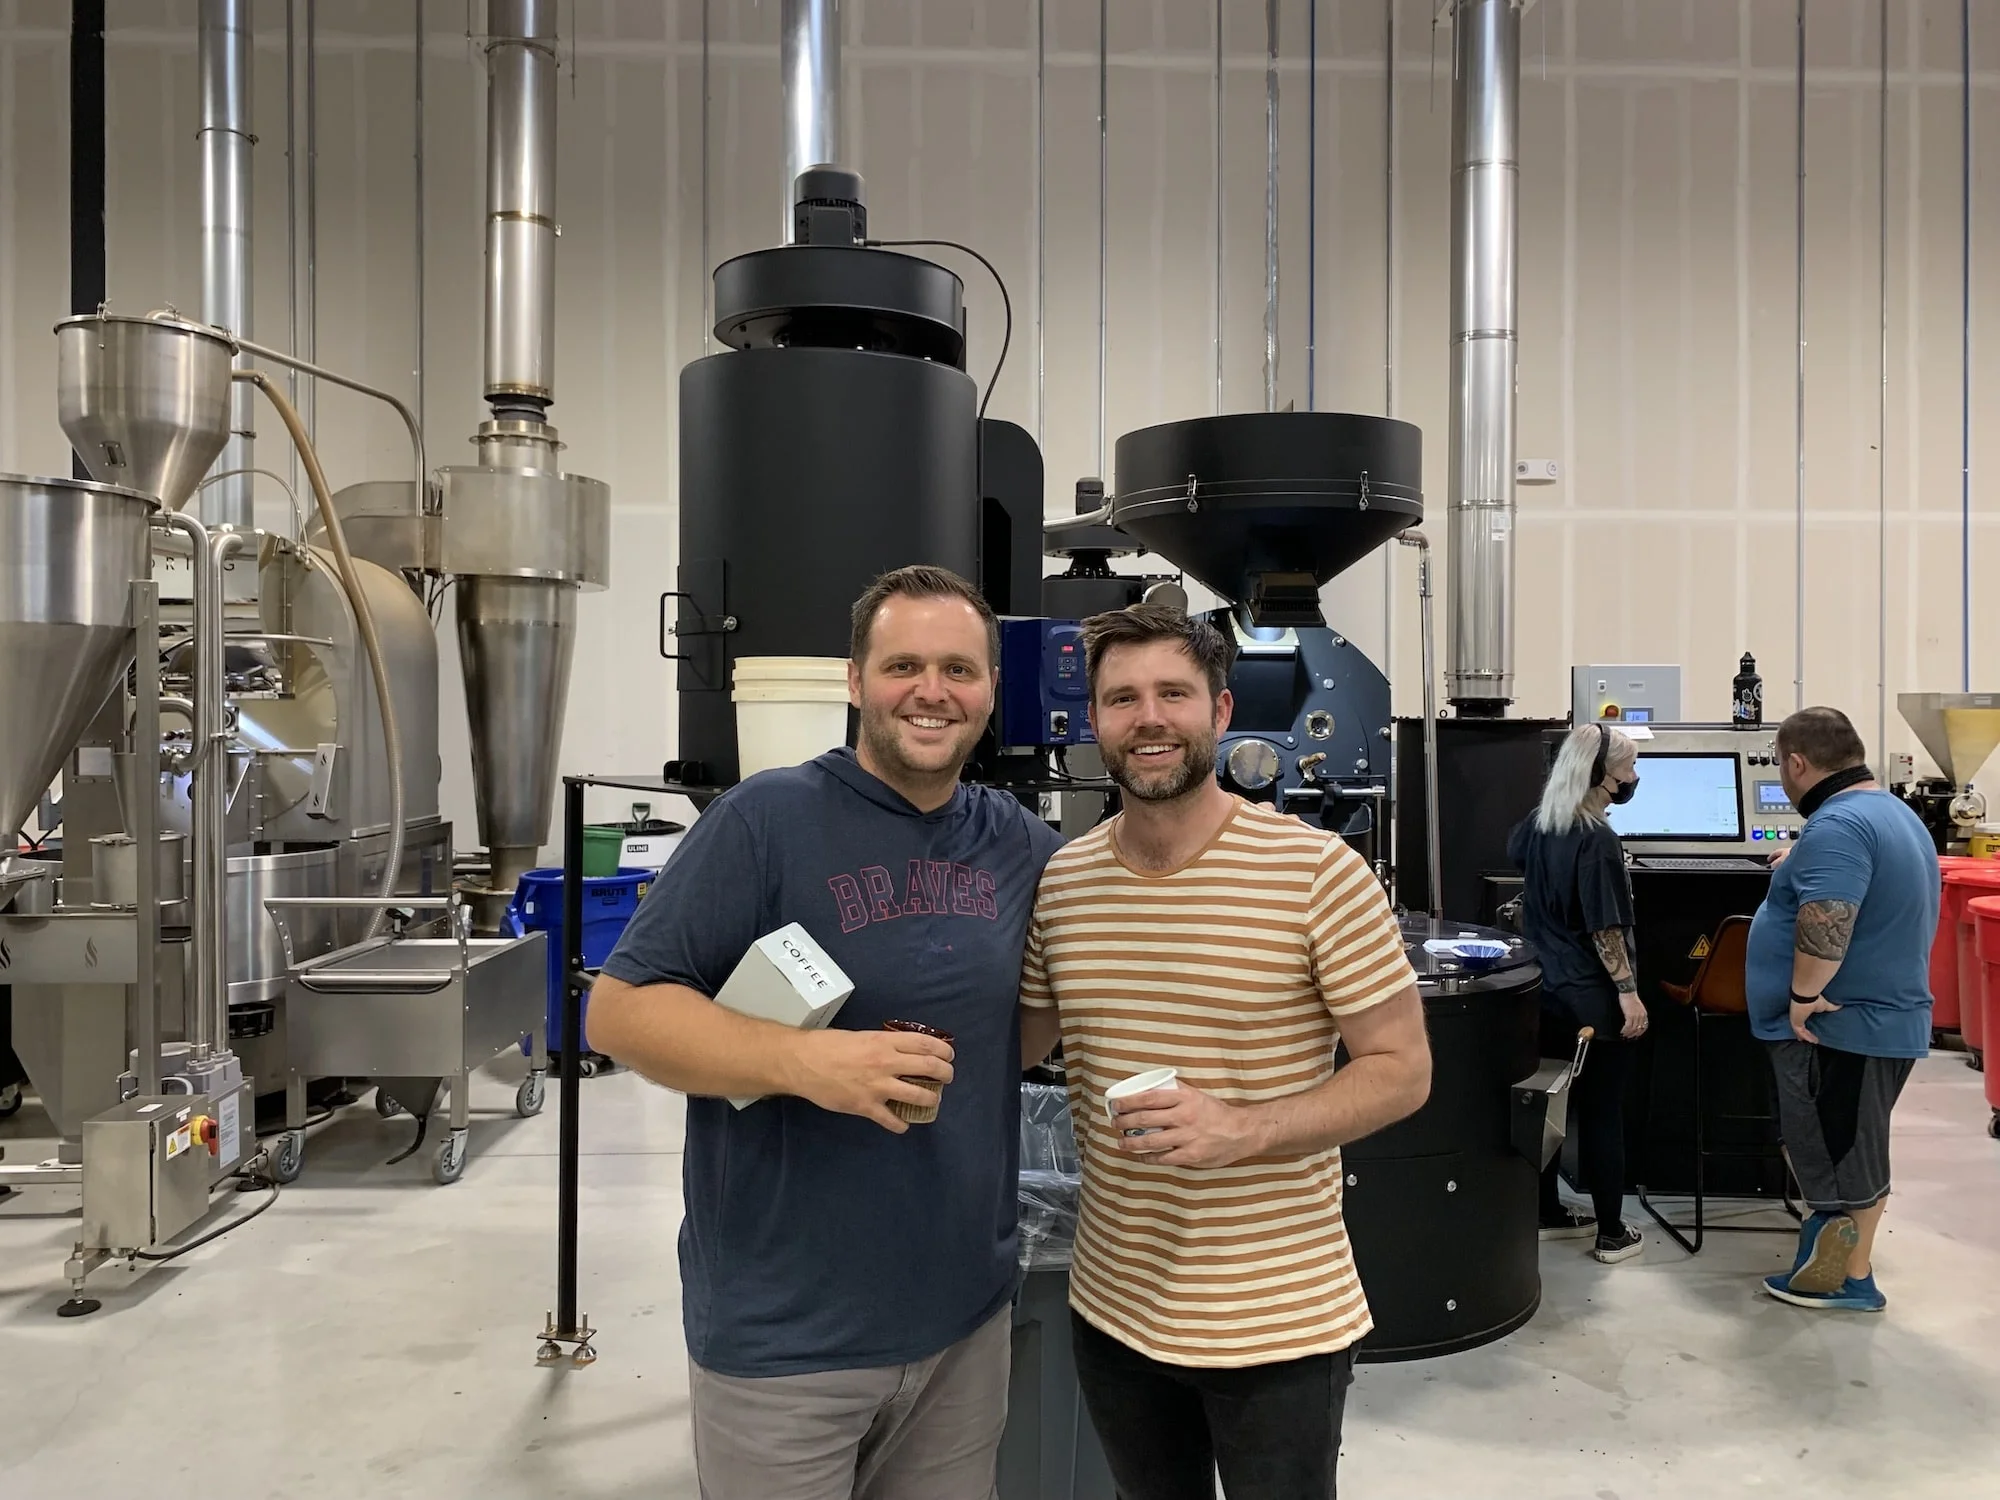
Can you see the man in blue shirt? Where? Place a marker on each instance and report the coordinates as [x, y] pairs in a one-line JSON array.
[[846, 1277], [1838, 978]]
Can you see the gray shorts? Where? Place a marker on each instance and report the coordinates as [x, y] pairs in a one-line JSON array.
[[1833, 1112], [924, 1431]]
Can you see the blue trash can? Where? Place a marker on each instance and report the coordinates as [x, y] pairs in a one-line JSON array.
[[608, 904]]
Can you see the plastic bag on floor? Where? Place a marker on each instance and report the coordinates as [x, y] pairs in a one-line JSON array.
[[1051, 1177]]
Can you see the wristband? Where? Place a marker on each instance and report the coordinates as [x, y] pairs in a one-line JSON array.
[[1798, 999]]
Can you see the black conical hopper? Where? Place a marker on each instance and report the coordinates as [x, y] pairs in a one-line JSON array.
[[1265, 507]]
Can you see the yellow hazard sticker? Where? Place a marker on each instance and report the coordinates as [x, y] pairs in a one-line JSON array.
[[1700, 949], [179, 1141]]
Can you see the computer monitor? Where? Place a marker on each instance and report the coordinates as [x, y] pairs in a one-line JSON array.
[[1683, 796]]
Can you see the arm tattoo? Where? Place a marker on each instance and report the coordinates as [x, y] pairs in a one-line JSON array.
[[1611, 953], [1826, 928]]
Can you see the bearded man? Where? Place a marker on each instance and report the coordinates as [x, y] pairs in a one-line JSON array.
[[846, 1277], [1223, 948]]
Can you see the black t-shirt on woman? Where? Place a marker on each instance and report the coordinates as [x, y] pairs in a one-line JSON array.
[[1574, 884]]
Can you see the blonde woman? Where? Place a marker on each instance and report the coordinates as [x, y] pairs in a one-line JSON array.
[[1576, 908]]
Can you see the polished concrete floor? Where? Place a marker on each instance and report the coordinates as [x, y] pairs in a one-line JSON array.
[[376, 1334]]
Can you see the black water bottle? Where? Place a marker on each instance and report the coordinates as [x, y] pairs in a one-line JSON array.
[[1746, 706]]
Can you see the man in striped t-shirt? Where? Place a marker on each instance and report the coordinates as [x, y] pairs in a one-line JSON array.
[[1213, 1296]]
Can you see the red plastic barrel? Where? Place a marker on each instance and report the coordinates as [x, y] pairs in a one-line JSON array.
[[1961, 887], [1985, 914], [1944, 950]]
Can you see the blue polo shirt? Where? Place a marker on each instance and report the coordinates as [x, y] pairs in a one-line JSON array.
[[1867, 848]]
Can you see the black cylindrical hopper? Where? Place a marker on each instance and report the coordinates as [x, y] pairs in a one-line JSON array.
[[834, 440], [1264, 507]]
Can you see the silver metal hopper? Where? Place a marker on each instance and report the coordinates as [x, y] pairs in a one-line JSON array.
[[1958, 729], [144, 401], [69, 551]]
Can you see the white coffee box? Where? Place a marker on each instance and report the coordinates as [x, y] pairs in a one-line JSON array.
[[786, 977]]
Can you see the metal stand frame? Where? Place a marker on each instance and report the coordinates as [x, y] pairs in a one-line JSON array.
[[565, 1326], [1701, 1226]]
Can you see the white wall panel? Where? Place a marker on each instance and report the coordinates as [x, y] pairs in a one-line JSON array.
[[1658, 342]]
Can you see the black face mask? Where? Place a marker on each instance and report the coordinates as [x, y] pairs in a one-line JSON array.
[[1624, 791]]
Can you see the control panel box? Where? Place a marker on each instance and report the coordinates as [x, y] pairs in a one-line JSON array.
[[149, 1162], [1624, 693], [1044, 689], [1707, 790]]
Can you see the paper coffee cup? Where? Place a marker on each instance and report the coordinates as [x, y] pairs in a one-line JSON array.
[[1138, 1083], [918, 1114]]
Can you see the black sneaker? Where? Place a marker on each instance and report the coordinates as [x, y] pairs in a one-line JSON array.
[[1612, 1248], [1570, 1224]]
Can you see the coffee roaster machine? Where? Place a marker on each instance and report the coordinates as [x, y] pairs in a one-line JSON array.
[[246, 889]]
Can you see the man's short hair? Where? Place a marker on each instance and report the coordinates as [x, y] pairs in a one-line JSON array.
[[1142, 624], [920, 581], [1825, 737]]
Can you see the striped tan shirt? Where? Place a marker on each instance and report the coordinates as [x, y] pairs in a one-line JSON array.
[[1233, 969]]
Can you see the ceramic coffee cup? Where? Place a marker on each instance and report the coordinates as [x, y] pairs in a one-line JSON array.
[[918, 1114], [1138, 1083]]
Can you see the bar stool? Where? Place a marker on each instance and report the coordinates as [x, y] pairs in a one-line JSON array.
[[1717, 993]]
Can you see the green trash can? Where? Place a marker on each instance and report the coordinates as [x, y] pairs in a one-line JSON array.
[[601, 843]]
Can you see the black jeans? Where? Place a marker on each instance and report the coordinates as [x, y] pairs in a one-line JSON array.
[[1597, 1115], [1272, 1430]]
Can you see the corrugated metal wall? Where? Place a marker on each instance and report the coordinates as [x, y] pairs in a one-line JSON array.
[[1658, 269]]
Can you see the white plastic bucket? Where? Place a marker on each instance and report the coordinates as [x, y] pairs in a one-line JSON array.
[[788, 710]]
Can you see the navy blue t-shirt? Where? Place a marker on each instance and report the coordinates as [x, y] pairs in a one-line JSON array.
[[820, 1241]]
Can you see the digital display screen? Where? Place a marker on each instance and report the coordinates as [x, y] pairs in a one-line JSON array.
[[1638, 716], [1682, 797], [1771, 797]]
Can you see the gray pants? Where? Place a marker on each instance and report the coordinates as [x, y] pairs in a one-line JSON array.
[[1833, 1113], [925, 1431]]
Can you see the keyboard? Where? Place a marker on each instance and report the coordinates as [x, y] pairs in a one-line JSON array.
[[1740, 863]]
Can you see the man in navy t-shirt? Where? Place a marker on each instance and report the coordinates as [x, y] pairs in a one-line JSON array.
[[1838, 984], [846, 1277]]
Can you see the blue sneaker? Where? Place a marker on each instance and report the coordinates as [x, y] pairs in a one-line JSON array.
[[1853, 1296], [1825, 1241]]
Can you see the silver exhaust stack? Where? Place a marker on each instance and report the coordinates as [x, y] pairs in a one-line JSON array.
[[226, 141], [811, 55], [520, 537], [1485, 236]]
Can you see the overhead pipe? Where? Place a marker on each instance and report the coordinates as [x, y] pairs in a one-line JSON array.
[[1485, 239], [1215, 93], [811, 48], [1103, 225], [1271, 205], [520, 207], [224, 45]]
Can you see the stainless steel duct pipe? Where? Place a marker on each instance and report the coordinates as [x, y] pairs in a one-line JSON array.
[[224, 45], [1485, 236], [520, 206], [812, 92], [519, 535]]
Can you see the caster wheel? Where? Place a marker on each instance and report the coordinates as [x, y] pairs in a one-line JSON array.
[[288, 1156], [1993, 1126], [78, 1307], [448, 1163], [1977, 1062], [528, 1097], [386, 1107], [10, 1100], [586, 1067]]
